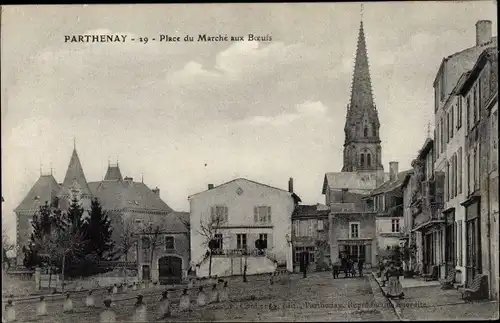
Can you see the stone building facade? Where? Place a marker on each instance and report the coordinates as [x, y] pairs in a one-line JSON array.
[[479, 90], [236, 214], [127, 203]]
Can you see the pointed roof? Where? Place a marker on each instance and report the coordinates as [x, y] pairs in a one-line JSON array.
[[44, 189], [75, 173], [113, 173], [361, 91]]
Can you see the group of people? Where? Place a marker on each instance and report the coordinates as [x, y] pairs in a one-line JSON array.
[[348, 265]]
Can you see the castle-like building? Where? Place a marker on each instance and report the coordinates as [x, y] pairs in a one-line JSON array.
[[120, 197]]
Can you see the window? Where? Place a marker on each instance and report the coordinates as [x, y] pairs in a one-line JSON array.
[[395, 225], [263, 237], [366, 131], [169, 242], [362, 159], [474, 106], [241, 241], [459, 113], [354, 230], [455, 177], [374, 130], [436, 138], [220, 241], [448, 127], [459, 170], [441, 86], [477, 178], [219, 213], [320, 225], [452, 124], [145, 243], [311, 251], [494, 142], [468, 113], [441, 145], [448, 181], [262, 214], [298, 252], [469, 175], [369, 160]]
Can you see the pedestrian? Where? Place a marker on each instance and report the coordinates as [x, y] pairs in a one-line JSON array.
[[361, 262], [352, 267], [395, 287], [336, 268], [344, 264]]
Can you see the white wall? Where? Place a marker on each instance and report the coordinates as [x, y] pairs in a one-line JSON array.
[[229, 266], [241, 217]]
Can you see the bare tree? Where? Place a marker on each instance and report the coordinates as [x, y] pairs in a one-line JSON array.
[[209, 229], [7, 246], [127, 240], [65, 243], [153, 230]]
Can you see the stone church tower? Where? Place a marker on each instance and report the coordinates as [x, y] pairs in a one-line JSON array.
[[362, 149]]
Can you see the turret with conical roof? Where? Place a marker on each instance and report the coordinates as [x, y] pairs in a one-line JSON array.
[[74, 180], [362, 149]]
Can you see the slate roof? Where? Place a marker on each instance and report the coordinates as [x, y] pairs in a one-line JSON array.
[[391, 185], [116, 195], [349, 180], [75, 173], [309, 211], [113, 173], [294, 196], [44, 189], [175, 221]]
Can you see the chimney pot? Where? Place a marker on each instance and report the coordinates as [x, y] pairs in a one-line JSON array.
[[393, 170], [156, 191], [483, 32], [290, 185], [210, 186]]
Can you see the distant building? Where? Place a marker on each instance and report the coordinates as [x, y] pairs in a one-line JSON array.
[[310, 233], [236, 214], [122, 198], [351, 222], [387, 201], [479, 90]]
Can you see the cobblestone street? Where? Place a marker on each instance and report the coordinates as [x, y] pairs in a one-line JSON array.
[[316, 298]]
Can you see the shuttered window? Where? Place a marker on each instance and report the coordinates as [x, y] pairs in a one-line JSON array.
[[262, 214], [219, 213]]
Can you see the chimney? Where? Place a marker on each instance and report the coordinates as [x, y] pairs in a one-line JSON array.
[[393, 170], [483, 32], [290, 185], [128, 179], [210, 186], [156, 191]]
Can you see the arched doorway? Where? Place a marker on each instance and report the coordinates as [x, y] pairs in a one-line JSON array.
[[170, 270]]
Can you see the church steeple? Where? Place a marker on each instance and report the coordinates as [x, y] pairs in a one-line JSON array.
[[361, 91], [362, 150]]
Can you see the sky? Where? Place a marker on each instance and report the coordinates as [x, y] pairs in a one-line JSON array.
[[185, 115]]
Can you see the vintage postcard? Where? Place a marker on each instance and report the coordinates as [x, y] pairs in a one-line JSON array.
[[250, 162]]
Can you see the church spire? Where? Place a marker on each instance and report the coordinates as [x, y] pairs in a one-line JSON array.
[[361, 91], [362, 149]]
